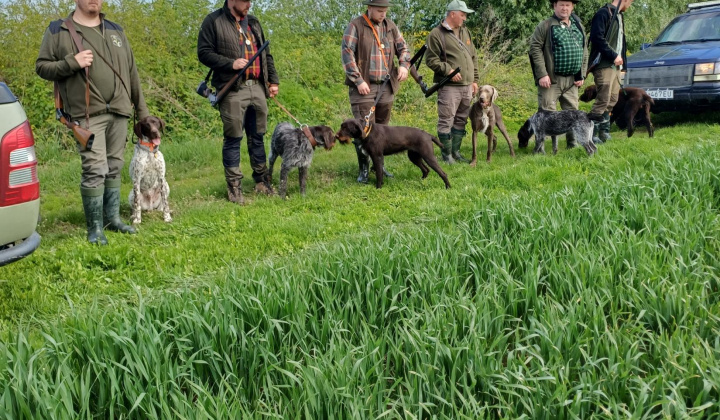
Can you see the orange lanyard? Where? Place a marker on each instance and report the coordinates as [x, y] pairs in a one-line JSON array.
[[377, 38], [242, 33]]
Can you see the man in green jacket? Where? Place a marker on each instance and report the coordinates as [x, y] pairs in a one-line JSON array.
[[228, 38], [114, 89], [558, 56], [450, 46]]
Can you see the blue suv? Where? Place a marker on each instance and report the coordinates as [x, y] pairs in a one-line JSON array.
[[681, 69]]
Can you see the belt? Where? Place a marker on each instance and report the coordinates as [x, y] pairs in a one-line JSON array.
[[249, 82]]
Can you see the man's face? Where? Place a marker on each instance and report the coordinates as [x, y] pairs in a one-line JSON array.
[[625, 4], [456, 18], [563, 9], [89, 7], [240, 7], [377, 14]]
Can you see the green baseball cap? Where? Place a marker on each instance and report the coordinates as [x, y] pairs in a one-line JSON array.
[[459, 5]]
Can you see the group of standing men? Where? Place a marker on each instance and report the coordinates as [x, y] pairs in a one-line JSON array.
[[102, 93], [559, 60]]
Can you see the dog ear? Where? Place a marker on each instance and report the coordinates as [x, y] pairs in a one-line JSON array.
[[355, 128], [162, 125], [494, 95], [138, 129]]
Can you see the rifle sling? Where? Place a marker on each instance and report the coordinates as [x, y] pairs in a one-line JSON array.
[[78, 43]]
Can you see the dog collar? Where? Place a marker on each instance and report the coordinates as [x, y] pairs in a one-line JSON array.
[[308, 134], [147, 144], [366, 131]]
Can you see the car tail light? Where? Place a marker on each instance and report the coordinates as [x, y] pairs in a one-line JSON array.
[[18, 167]]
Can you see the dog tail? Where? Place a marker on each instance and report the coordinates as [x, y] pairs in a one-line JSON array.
[[436, 141], [648, 99]]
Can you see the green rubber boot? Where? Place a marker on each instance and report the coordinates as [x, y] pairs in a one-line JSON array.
[[446, 151], [604, 127], [111, 208], [457, 138], [92, 199]]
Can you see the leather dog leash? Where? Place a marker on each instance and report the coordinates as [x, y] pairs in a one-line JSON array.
[[304, 127]]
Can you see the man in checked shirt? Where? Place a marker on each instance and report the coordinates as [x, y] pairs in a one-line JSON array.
[[368, 54], [229, 36]]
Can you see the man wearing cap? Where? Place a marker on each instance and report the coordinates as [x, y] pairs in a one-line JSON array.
[[609, 53], [228, 37], [558, 56], [450, 46], [369, 46]]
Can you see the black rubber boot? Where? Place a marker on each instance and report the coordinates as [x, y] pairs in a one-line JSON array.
[[457, 138], [595, 138], [363, 165], [111, 207], [604, 127], [92, 199], [446, 151]]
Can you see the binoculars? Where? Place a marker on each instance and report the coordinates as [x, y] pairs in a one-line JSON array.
[[206, 92]]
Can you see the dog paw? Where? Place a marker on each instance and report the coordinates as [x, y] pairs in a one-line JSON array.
[[167, 218], [473, 163]]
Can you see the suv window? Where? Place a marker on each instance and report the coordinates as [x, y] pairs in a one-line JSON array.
[[692, 28], [6, 96]]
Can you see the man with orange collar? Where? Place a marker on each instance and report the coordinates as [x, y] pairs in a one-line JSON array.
[[369, 47]]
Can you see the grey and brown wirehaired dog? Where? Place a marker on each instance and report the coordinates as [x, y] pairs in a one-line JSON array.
[[485, 115], [296, 151], [554, 123]]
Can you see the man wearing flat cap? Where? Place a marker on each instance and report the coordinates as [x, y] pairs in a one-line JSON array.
[[558, 56], [450, 46], [369, 47]]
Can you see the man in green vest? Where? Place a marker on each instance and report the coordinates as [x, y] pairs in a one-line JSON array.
[[450, 46], [558, 56], [369, 47]]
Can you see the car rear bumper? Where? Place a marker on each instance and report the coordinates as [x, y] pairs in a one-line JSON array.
[[698, 96], [21, 250]]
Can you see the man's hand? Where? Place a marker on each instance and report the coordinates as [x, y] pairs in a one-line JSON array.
[[84, 58], [239, 63], [402, 74], [457, 77], [579, 83], [475, 88], [363, 88], [544, 82], [618, 61], [274, 89]]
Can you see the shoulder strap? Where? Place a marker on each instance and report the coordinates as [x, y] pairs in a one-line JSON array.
[[78, 43]]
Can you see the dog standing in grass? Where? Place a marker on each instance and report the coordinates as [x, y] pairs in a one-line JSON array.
[[554, 123], [296, 150], [484, 116], [150, 190], [631, 109]]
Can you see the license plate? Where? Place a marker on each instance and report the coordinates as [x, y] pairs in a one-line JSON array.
[[660, 93]]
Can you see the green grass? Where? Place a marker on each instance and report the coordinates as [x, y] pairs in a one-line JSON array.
[[598, 298]]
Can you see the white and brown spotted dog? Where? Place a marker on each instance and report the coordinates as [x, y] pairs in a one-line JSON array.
[[147, 170], [485, 115]]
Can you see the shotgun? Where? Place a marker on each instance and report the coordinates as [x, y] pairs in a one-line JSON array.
[[415, 65], [83, 136], [215, 99]]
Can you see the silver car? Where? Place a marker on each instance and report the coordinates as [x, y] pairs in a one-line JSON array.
[[19, 185]]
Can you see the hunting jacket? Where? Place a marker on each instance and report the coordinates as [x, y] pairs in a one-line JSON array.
[[605, 45], [445, 53], [56, 62], [542, 54], [219, 46], [366, 42]]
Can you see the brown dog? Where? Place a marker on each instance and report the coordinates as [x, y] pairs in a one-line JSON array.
[[631, 109], [382, 140], [484, 116]]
